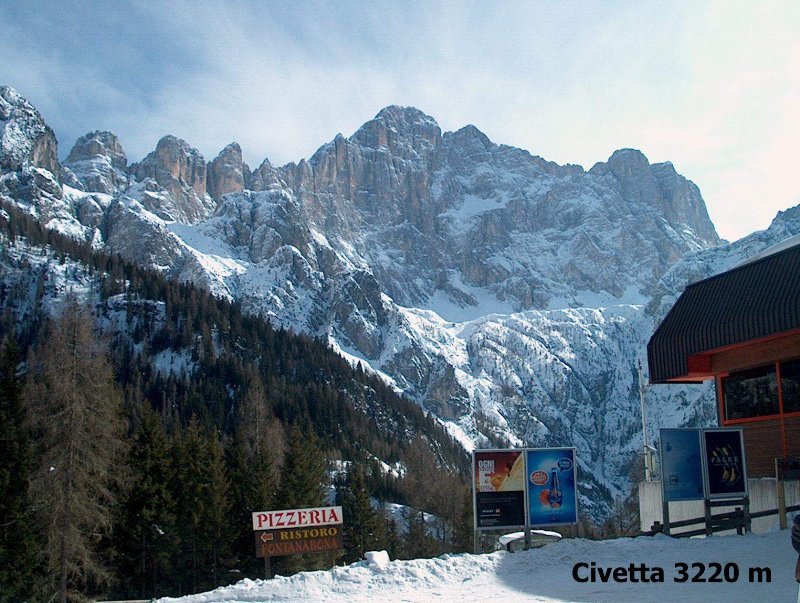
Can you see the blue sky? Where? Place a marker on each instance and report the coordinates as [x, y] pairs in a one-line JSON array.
[[713, 87]]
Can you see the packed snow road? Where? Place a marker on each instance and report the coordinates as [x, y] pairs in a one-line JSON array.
[[724, 569]]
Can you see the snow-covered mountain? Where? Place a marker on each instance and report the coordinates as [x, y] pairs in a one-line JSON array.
[[509, 295]]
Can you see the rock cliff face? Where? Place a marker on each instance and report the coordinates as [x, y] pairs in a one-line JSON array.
[[226, 172], [98, 163], [468, 217], [24, 137], [181, 171], [503, 292]]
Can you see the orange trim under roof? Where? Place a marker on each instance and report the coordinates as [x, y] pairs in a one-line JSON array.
[[701, 366]]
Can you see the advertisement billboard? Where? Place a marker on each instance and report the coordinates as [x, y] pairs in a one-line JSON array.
[[551, 480], [499, 487], [724, 463], [681, 464]]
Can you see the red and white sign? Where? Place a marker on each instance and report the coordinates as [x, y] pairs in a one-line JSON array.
[[297, 518]]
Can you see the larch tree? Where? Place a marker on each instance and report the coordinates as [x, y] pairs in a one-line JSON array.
[[79, 428]]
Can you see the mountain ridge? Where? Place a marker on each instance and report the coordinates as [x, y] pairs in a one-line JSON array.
[[508, 295]]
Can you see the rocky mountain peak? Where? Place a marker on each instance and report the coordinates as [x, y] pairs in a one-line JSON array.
[[24, 136], [264, 177], [659, 186], [96, 163], [226, 172], [470, 135], [400, 129], [468, 146], [181, 170], [627, 163], [99, 143], [178, 159]]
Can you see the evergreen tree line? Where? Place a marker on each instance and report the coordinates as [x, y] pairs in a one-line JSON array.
[[121, 476]]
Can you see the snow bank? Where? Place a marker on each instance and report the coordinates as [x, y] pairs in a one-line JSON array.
[[377, 560], [548, 575]]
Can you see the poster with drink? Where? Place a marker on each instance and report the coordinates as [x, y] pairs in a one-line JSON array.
[[725, 474], [499, 486], [552, 495], [681, 464]]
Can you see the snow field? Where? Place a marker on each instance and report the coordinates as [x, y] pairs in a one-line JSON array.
[[544, 575]]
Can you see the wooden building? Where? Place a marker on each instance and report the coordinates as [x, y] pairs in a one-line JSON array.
[[741, 328]]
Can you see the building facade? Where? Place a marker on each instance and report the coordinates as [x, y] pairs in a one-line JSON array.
[[741, 329]]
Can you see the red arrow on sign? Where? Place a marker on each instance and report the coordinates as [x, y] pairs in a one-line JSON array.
[[266, 537]]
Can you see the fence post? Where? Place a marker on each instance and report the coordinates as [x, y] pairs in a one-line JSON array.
[[747, 520], [780, 488]]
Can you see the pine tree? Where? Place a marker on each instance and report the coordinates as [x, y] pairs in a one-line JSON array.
[[303, 485], [80, 429], [463, 537], [146, 535], [218, 512], [417, 542], [303, 478], [201, 488], [253, 470], [17, 540], [363, 528], [393, 543]]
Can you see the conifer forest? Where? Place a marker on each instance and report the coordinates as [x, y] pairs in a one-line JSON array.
[[142, 421]]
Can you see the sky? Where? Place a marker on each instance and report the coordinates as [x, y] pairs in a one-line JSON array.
[[713, 87]]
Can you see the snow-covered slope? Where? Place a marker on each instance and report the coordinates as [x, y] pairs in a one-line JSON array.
[[546, 575], [510, 296]]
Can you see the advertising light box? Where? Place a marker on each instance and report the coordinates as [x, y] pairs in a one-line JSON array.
[[499, 485], [551, 481], [725, 473], [681, 464]]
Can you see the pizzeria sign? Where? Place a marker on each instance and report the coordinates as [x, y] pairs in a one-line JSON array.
[[297, 531], [297, 518]]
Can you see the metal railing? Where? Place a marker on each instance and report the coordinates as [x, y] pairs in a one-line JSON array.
[[732, 520]]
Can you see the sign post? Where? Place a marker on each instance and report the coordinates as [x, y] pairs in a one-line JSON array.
[[296, 531], [785, 469]]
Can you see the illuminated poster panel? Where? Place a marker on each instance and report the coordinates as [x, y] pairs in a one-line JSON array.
[[725, 474], [681, 464], [499, 486], [551, 479]]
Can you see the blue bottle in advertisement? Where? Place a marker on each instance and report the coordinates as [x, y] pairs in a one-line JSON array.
[[555, 496]]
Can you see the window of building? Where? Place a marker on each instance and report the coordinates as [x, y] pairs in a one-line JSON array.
[[790, 385], [751, 393]]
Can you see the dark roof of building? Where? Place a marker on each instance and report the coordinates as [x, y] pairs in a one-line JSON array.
[[751, 301]]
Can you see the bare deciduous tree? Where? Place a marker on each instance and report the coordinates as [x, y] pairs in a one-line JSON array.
[[79, 427]]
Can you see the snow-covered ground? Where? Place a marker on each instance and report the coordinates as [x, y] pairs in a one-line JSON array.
[[546, 575]]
